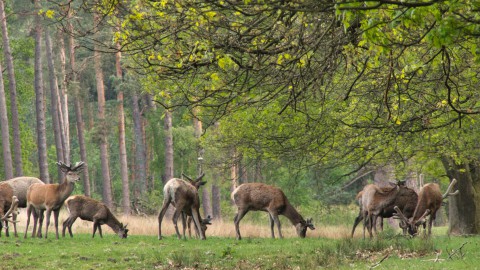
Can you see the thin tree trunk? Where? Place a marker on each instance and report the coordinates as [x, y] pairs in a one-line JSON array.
[[64, 120], [39, 103], [121, 138], [464, 209], [73, 85], [54, 105], [216, 197], [6, 150], [139, 145], [101, 124], [168, 174], [12, 85]]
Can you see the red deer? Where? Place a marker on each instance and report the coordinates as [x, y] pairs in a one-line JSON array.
[[15, 187], [262, 197], [183, 195], [89, 209], [197, 183], [50, 197], [406, 199], [430, 199]]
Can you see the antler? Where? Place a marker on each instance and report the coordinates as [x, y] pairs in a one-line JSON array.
[[420, 220], [400, 214], [13, 207], [200, 177], [188, 178], [447, 193], [63, 166], [78, 166]]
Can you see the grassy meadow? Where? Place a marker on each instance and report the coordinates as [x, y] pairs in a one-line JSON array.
[[328, 247]]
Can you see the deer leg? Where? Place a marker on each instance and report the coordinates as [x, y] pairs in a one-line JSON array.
[[14, 218], [29, 212], [40, 214], [47, 222], [271, 225], [196, 221], [65, 225], [175, 219], [94, 229], [165, 205], [358, 219], [189, 226], [70, 224], [184, 224], [279, 226], [100, 229], [240, 214], [55, 218]]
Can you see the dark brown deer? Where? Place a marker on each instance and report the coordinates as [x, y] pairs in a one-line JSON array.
[[262, 197], [406, 198], [430, 200], [197, 183], [183, 195], [50, 197], [86, 208], [15, 187]]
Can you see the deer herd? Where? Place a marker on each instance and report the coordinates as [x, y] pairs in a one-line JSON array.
[[397, 201]]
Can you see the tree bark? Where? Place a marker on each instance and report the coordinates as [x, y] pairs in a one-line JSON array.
[[101, 124], [168, 174], [216, 199], [12, 85], [73, 85], [39, 100], [121, 143], [139, 145], [4, 127], [63, 97], [464, 209], [54, 105]]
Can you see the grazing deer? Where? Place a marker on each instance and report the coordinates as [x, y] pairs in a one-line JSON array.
[[50, 197], [17, 187], [262, 197], [89, 209], [197, 183], [184, 196], [430, 199], [383, 206]]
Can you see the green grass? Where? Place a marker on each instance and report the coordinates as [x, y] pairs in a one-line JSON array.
[[147, 252]]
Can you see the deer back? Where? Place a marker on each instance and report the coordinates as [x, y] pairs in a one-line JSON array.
[[259, 196], [20, 185], [429, 197], [180, 191]]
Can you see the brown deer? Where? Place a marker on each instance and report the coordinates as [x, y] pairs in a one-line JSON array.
[[183, 195], [15, 187], [406, 198], [430, 200], [197, 183], [50, 197], [89, 209], [262, 197]]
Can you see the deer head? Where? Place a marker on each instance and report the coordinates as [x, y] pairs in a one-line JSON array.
[[303, 226], [72, 172], [410, 224], [123, 231], [197, 182]]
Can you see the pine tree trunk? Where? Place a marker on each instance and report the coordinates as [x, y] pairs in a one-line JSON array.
[[73, 86], [12, 85], [464, 209], [168, 174], [139, 145], [54, 105], [121, 143], [64, 120], [101, 125], [6, 150], [39, 100], [216, 197]]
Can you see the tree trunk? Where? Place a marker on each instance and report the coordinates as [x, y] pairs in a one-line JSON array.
[[6, 150], [39, 99], [139, 145], [464, 209], [206, 202], [12, 85], [121, 143], [101, 124], [168, 174], [54, 105], [216, 197], [64, 120], [73, 86]]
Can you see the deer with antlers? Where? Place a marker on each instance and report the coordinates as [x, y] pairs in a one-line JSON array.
[[183, 195], [430, 199], [50, 197]]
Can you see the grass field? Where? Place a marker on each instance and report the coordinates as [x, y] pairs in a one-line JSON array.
[[328, 247]]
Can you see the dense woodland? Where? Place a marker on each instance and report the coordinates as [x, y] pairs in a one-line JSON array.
[[316, 97]]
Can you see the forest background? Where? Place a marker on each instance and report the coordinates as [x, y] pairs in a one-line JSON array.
[[316, 97]]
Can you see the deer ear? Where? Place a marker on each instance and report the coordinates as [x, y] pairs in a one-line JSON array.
[[202, 183]]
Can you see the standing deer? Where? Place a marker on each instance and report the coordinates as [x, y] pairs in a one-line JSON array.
[[262, 197], [15, 187], [89, 209], [184, 196], [383, 206], [50, 197], [197, 183], [430, 200]]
